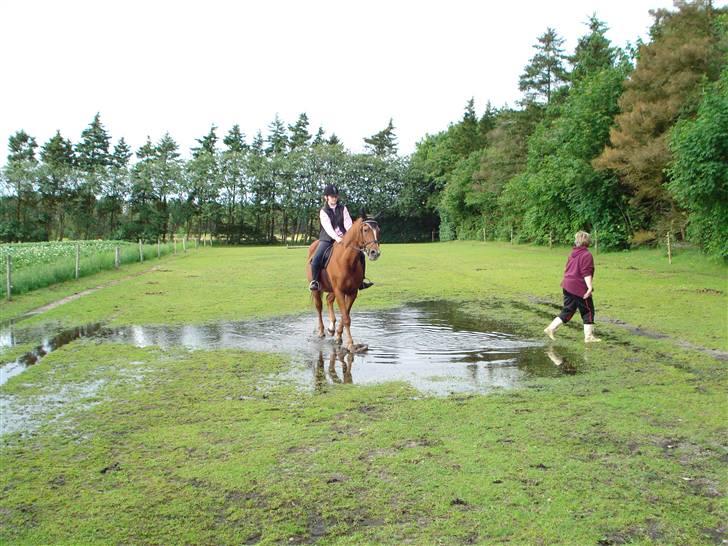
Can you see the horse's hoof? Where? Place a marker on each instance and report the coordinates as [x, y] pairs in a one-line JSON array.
[[330, 331], [359, 348]]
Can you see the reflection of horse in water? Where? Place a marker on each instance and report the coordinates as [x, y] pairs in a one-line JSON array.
[[342, 277], [347, 360]]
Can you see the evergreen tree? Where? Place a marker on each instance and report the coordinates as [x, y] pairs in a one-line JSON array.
[[384, 143], [319, 138], [55, 183], [594, 51], [545, 72], [277, 137], [466, 135], [300, 136], [92, 151]]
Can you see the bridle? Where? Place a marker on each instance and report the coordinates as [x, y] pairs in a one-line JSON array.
[[374, 227]]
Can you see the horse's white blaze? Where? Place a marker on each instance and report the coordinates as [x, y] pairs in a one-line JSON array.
[[332, 325]]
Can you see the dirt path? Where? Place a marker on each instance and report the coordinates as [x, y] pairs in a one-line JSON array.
[[73, 297]]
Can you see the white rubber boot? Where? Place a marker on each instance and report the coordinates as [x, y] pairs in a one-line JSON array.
[[551, 328], [589, 334]]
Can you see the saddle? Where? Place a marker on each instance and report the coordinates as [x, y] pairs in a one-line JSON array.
[[326, 257]]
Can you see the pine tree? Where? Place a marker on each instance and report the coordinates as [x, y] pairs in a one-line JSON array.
[[593, 52], [92, 151], [545, 72], [277, 137], [300, 136], [55, 184], [384, 143]]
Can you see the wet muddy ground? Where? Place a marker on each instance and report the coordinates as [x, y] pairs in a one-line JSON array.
[[432, 345]]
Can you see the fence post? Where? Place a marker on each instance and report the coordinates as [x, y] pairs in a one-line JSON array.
[[511, 234], [551, 239], [669, 249], [159, 251], [596, 241], [117, 257], [175, 244], [141, 252], [184, 243], [9, 284], [78, 258], [197, 241]]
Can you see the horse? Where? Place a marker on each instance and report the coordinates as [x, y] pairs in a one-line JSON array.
[[342, 277]]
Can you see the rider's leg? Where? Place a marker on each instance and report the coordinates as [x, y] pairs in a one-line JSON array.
[[316, 264]]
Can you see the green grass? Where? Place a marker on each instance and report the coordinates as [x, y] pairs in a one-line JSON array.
[[32, 276], [213, 447]]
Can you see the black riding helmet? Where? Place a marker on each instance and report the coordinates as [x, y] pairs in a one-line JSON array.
[[330, 189]]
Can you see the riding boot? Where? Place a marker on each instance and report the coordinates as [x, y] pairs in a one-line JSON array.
[[551, 328], [314, 284], [364, 282]]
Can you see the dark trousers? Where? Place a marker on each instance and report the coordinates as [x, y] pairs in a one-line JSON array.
[[572, 303], [318, 259]]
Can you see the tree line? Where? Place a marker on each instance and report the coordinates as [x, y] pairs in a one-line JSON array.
[[631, 143]]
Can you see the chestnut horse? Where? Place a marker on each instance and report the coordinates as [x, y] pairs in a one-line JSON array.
[[343, 275]]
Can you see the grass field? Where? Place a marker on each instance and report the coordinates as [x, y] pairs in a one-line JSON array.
[[151, 445], [38, 265]]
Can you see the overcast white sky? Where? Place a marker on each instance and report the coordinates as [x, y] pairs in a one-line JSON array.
[[151, 66]]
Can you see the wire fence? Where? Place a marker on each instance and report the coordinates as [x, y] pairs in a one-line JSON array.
[[19, 280]]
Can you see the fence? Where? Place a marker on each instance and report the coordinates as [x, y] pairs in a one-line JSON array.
[[42, 275]]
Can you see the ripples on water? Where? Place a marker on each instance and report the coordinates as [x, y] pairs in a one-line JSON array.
[[432, 346]]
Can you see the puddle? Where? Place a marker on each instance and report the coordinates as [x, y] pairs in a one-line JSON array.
[[433, 346], [8, 338]]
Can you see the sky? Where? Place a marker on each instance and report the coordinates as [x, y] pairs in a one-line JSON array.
[[155, 66]]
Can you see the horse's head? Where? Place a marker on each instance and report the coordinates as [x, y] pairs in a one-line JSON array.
[[370, 239]]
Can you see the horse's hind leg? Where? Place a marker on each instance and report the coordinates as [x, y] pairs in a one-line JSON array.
[[319, 307], [332, 316]]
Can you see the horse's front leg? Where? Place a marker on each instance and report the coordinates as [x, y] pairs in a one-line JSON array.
[[345, 302], [332, 316], [356, 347], [319, 308]]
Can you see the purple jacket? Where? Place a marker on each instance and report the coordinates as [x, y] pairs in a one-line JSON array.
[[579, 265]]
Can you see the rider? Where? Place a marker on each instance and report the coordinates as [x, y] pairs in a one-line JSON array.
[[335, 222]]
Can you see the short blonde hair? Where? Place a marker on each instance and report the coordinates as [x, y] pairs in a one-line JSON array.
[[582, 238]]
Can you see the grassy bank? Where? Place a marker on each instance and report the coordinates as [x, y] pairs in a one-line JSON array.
[[168, 446]]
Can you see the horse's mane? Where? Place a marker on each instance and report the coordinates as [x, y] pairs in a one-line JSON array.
[[354, 232]]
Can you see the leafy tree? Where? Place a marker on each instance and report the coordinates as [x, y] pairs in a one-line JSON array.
[[666, 86], [20, 174], [563, 192], [699, 174], [545, 72]]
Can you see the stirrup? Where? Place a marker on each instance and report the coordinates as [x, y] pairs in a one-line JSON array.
[[314, 285], [365, 284]]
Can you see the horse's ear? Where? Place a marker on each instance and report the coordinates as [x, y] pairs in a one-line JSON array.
[[362, 214]]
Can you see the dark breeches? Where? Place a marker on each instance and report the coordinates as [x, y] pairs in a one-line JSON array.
[[572, 303]]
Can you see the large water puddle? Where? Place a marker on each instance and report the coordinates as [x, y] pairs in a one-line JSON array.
[[433, 346]]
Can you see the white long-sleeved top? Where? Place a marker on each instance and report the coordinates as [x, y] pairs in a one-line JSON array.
[[335, 234]]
